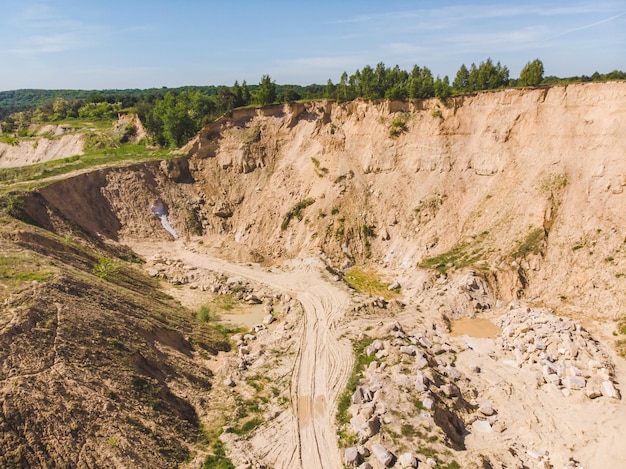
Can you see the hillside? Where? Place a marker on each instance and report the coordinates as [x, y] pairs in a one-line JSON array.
[[504, 204]]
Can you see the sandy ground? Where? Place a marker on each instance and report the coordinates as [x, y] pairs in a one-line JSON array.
[[307, 433], [540, 418]]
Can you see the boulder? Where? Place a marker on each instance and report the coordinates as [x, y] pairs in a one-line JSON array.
[[385, 457], [351, 457], [372, 427], [361, 395], [450, 390], [407, 460], [410, 350], [608, 390], [574, 382]]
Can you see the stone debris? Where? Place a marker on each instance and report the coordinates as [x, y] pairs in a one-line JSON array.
[[560, 349]]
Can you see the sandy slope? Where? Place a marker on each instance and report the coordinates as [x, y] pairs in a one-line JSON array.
[[306, 436]]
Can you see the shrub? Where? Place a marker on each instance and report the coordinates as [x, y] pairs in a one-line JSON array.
[[296, 212]]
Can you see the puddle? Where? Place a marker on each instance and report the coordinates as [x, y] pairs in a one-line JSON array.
[[477, 327], [244, 317]]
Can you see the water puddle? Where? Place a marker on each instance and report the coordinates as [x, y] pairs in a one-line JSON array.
[[242, 317], [477, 327]]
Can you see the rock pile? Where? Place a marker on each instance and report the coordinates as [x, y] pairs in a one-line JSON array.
[[563, 351], [413, 375]]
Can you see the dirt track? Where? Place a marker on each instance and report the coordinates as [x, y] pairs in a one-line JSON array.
[[322, 362]]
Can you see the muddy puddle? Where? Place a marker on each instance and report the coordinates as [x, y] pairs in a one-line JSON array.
[[476, 327], [242, 317]]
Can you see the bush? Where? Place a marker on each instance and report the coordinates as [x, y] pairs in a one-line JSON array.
[[296, 211]]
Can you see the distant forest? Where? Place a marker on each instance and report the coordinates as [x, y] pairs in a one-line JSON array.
[[173, 115]]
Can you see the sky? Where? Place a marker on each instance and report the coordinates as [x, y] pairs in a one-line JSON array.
[[118, 44]]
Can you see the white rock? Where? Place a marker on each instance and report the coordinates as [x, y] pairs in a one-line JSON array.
[[351, 457], [269, 319], [482, 426], [486, 409], [428, 403], [407, 460], [574, 382], [608, 390], [382, 454], [410, 350]]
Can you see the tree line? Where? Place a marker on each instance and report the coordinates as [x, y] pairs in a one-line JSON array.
[[173, 116]]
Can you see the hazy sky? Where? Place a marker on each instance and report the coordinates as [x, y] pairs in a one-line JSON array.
[[96, 44]]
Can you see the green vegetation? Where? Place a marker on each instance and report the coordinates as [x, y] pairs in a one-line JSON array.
[[92, 158], [206, 314], [218, 460], [106, 268], [296, 212], [531, 244], [531, 74], [398, 124], [17, 270], [460, 256], [368, 282], [173, 115], [553, 183], [362, 360]]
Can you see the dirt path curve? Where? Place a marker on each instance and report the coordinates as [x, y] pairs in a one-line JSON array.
[[322, 364]]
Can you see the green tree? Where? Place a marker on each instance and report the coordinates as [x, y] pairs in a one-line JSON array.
[[329, 91], [245, 93], [461, 81], [531, 74], [266, 94], [442, 88]]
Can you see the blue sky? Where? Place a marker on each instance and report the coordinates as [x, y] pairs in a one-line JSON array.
[[96, 44]]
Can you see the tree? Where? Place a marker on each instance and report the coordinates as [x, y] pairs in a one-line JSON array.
[[461, 81], [329, 91], [442, 88], [531, 74], [245, 93], [266, 94]]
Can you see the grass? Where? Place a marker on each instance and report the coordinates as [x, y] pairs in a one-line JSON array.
[[369, 282], [106, 268], [460, 256], [205, 314], [531, 244], [17, 270], [361, 361], [90, 159], [398, 125], [296, 212]]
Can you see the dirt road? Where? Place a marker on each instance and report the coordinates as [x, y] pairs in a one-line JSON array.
[[322, 362]]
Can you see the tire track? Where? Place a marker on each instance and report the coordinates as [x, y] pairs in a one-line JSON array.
[[321, 365]]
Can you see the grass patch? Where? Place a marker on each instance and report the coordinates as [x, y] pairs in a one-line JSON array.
[[91, 158], [361, 361], [368, 282], [206, 314], [248, 426], [460, 256], [17, 270], [106, 268], [296, 212], [531, 244], [398, 125]]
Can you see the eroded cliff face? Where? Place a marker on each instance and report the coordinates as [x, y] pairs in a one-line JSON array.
[[524, 186]]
